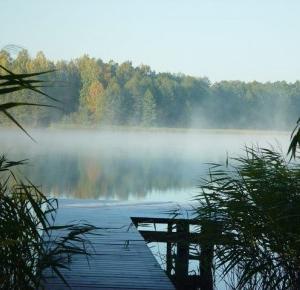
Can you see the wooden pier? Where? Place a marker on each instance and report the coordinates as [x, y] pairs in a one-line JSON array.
[[121, 258]]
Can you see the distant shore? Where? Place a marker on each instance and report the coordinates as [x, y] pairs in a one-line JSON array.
[[62, 127]]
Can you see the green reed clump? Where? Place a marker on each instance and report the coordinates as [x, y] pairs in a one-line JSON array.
[[29, 244], [32, 247], [255, 200]]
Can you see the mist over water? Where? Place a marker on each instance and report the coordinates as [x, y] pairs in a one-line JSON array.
[[134, 166]]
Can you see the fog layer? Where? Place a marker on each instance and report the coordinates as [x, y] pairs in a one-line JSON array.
[[126, 165]]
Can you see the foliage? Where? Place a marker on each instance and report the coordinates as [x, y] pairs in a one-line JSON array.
[[30, 243], [11, 82], [295, 140], [256, 202], [149, 109], [98, 93]]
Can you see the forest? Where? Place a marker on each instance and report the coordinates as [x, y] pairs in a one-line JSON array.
[[97, 93]]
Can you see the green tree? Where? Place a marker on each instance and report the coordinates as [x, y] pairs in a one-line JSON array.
[[95, 91], [149, 109], [113, 103]]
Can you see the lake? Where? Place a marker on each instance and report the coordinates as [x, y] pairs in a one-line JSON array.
[[128, 166], [134, 166]]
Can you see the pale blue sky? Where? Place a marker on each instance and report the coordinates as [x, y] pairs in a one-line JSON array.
[[220, 39]]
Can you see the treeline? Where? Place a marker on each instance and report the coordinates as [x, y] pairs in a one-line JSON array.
[[96, 93]]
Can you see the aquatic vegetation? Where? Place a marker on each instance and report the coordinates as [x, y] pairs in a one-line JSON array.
[[11, 82], [255, 202], [295, 140], [30, 242]]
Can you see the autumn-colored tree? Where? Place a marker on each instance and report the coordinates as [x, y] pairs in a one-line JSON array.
[[95, 100]]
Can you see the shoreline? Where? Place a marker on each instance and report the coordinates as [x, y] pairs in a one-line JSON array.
[[62, 128]]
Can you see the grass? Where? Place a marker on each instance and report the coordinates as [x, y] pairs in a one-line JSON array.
[[31, 244], [10, 82], [295, 141], [255, 199]]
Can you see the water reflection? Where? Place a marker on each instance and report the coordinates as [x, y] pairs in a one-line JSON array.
[[110, 177], [123, 165]]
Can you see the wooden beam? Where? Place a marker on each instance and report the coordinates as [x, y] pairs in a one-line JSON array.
[[174, 237], [138, 220]]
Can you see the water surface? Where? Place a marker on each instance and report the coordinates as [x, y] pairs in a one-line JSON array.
[[126, 166]]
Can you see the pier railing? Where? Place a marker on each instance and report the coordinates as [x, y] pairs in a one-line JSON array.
[[182, 237]]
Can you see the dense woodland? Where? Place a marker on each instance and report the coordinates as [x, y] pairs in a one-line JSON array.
[[95, 93]]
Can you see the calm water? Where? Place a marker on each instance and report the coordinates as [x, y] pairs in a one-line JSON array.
[[127, 166]]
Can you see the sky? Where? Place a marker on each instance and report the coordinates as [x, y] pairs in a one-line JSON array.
[[220, 39]]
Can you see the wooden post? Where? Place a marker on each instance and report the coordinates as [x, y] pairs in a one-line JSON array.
[[206, 261], [169, 253], [182, 257]]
